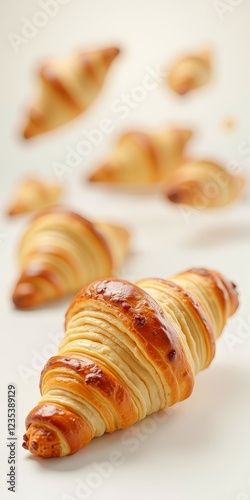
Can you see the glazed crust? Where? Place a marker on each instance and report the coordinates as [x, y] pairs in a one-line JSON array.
[[128, 350]]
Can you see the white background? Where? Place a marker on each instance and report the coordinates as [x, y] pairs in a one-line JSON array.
[[201, 449]]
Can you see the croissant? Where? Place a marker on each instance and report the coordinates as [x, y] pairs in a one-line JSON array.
[[34, 194], [67, 88], [61, 251], [128, 351], [141, 158], [203, 184], [190, 72]]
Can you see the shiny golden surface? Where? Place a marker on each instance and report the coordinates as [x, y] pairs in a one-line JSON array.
[[128, 350]]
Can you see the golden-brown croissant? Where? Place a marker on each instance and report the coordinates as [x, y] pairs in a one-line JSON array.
[[190, 72], [67, 88], [34, 194], [141, 158], [61, 251], [203, 184], [128, 350]]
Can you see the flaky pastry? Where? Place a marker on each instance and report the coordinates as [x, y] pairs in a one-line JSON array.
[[203, 184], [190, 72], [61, 251], [67, 88], [128, 351], [141, 158], [34, 194]]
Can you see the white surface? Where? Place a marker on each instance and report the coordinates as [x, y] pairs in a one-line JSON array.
[[201, 449]]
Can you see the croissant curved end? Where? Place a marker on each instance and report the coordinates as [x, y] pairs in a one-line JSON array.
[[182, 194], [103, 173], [185, 135], [16, 209], [30, 129], [27, 133], [33, 123], [184, 86], [27, 295], [240, 183], [110, 53], [42, 442], [54, 431]]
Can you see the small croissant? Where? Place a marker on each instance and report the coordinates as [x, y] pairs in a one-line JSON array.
[[67, 88], [34, 194], [203, 184], [141, 158], [61, 251], [128, 351], [190, 72]]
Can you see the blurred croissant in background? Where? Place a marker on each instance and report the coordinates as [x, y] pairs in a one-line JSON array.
[[67, 88], [61, 251], [203, 184], [190, 72], [141, 158], [33, 194]]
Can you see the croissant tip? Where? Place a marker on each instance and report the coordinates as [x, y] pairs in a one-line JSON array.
[[241, 182], [122, 234], [92, 177], [110, 53], [184, 86], [26, 295], [183, 195], [32, 127], [186, 134], [11, 211], [27, 133], [41, 442], [174, 196], [104, 173], [25, 441], [16, 210], [205, 54]]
